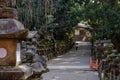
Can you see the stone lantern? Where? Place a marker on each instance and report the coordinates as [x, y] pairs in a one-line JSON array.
[[11, 31]]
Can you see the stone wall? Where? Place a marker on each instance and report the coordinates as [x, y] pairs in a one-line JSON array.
[[51, 53]]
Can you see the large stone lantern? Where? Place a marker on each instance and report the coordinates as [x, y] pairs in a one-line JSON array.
[[11, 31], [11, 34]]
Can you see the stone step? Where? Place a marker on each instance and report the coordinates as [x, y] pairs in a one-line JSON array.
[[7, 3], [8, 13]]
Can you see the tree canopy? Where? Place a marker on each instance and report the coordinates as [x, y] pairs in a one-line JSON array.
[[99, 14], [102, 15]]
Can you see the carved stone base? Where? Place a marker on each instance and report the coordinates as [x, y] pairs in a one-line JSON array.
[[11, 74]]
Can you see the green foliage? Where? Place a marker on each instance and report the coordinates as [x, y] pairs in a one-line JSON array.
[[104, 16], [100, 14], [35, 13], [31, 13], [67, 16], [66, 12]]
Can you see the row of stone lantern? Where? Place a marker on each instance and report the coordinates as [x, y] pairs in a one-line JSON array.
[[108, 60]]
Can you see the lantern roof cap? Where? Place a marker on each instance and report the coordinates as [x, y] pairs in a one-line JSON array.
[[11, 28]]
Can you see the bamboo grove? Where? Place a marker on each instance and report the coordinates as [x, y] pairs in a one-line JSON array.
[[35, 13]]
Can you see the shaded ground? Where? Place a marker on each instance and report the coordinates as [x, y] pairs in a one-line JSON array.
[[72, 66]]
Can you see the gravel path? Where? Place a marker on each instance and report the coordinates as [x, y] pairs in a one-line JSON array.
[[73, 65]]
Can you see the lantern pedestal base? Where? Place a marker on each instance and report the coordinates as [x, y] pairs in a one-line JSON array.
[[11, 74]]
